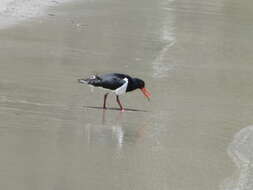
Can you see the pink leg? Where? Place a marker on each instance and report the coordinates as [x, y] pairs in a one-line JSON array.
[[121, 107], [105, 97]]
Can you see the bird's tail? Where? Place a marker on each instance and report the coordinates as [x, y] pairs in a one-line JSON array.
[[83, 81], [93, 80]]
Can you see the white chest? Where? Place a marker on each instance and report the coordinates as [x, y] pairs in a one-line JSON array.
[[122, 90]]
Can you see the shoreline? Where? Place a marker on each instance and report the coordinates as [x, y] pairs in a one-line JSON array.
[[14, 11]]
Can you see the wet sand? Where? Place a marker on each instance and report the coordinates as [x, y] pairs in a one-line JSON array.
[[195, 57], [16, 11]]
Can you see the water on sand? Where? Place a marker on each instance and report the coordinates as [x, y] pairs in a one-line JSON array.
[[195, 57]]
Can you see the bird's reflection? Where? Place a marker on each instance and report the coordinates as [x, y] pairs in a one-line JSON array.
[[115, 129], [117, 119]]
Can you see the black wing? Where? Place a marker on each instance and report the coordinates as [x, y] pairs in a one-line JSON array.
[[110, 81]]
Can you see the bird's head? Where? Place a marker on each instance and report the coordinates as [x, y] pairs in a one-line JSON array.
[[141, 85]]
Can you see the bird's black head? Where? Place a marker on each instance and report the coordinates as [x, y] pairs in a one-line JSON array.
[[139, 83]]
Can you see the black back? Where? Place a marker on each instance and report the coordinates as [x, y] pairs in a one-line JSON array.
[[113, 81]]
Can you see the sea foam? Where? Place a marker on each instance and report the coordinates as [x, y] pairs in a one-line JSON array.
[[241, 152]]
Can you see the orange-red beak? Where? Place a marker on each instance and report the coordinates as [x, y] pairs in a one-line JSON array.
[[146, 93]]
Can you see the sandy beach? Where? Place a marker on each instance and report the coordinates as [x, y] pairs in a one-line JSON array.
[[194, 134]]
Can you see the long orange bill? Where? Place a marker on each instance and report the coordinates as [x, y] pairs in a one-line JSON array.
[[146, 93]]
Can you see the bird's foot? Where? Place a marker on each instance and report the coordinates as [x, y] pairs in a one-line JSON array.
[[122, 110]]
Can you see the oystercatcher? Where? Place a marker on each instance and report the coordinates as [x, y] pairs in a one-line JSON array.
[[117, 83]]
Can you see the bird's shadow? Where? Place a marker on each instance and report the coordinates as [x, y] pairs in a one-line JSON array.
[[118, 109]]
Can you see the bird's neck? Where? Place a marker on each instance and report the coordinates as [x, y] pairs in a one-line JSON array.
[[132, 85]]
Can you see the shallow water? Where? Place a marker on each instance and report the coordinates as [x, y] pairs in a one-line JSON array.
[[195, 57]]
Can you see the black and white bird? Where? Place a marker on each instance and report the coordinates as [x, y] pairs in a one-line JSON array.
[[117, 83]]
